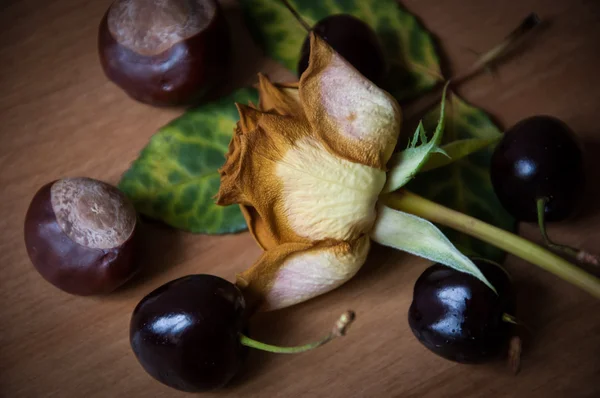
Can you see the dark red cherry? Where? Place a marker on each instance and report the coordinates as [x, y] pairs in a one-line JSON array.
[[354, 40], [458, 317], [186, 333], [538, 158]]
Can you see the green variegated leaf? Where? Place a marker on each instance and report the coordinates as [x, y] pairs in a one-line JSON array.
[[410, 49], [465, 185], [176, 175], [417, 236]]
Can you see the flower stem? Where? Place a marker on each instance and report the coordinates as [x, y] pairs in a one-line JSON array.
[[511, 243], [578, 255], [513, 320], [340, 328]]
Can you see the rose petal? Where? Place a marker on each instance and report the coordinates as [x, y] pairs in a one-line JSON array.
[[248, 177], [306, 169], [259, 228], [279, 98], [325, 196], [292, 273], [291, 187], [356, 119]]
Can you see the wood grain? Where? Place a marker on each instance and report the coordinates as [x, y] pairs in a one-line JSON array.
[[61, 117]]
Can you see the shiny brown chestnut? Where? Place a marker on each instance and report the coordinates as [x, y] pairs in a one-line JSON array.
[[165, 52], [80, 235]]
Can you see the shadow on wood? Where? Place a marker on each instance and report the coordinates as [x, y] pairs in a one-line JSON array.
[[590, 203], [531, 295], [161, 248]]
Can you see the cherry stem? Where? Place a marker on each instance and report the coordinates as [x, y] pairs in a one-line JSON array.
[[340, 328], [483, 63], [414, 204], [510, 319], [513, 319], [578, 255], [296, 15]]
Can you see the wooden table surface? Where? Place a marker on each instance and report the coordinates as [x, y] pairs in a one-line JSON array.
[[59, 116]]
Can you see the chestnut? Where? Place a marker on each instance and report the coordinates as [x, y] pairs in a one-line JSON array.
[[79, 235], [165, 52]]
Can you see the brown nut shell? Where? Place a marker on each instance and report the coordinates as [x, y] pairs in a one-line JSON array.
[[80, 235], [170, 65]]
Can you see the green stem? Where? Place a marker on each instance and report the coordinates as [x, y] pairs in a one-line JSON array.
[[510, 319], [340, 328], [509, 242], [513, 319], [247, 341], [578, 255]]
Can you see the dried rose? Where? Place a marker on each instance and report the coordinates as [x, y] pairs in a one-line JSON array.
[[307, 167]]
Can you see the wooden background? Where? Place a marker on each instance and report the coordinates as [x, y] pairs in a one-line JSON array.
[[59, 116]]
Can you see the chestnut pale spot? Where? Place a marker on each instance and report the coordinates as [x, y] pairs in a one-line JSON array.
[[91, 213], [150, 27]]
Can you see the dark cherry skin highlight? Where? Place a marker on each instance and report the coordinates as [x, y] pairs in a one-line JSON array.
[[458, 317], [186, 333], [158, 64], [354, 40], [80, 235], [539, 157]]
